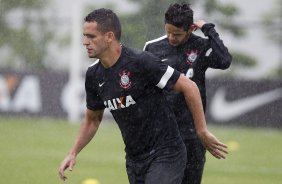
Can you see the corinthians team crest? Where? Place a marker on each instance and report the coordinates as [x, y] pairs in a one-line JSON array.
[[125, 82], [191, 56]]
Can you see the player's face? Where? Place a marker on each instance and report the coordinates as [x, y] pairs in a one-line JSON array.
[[95, 41], [176, 36]]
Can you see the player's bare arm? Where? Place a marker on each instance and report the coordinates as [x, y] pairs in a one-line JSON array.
[[88, 129], [193, 100], [194, 103], [199, 24]]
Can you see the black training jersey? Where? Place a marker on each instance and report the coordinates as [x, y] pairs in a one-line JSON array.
[[132, 90], [192, 58]]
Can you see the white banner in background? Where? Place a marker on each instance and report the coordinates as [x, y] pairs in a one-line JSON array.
[[27, 96]]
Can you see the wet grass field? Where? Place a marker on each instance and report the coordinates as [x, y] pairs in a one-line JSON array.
[[32, 149]]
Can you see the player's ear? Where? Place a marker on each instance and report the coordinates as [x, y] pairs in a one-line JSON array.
[[192, 28], [110, 36]]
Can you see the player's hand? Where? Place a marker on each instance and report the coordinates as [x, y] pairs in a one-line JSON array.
[[198, 24], [213, 145], [67, 163]]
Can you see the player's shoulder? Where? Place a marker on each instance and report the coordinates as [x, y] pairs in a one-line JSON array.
[[197, 39], [94, 64], [93, 67], [139, 58], [133, 52], [156, 42], [137, 54]]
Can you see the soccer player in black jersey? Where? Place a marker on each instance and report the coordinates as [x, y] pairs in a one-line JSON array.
[[130, 84], [191, 55]]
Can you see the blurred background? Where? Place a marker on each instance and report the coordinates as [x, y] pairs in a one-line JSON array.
[[43, 61]]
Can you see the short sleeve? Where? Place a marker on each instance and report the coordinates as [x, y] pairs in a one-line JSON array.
[[158, 72], [93, 101]]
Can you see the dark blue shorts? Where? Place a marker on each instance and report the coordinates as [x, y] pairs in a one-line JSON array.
[[165, 166]]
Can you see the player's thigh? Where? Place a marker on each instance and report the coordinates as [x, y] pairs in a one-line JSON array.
[[193, 176], [195, 162], [136, 172], [167, 171], [195, 154]]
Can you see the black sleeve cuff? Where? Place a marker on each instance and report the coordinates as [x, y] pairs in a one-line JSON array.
[[173, 80], [208, 28]]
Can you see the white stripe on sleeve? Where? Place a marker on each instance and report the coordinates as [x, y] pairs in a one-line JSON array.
[[165, 77], [152, 41]]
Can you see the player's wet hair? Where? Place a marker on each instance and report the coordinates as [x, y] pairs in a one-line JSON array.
[[106, 20], [179, 15]]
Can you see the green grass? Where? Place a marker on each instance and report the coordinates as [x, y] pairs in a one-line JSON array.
[[256, 161], [32, 149]]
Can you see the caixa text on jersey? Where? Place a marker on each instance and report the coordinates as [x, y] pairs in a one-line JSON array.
[[119, 103]]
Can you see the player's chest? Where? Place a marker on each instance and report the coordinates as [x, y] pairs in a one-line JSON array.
[[188, 61], [120, 83]]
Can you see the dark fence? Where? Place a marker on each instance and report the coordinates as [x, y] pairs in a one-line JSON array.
[[230, 101], [245, 102]]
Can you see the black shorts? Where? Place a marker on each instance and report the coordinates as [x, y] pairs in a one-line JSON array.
[[165, 166], [195, 161]]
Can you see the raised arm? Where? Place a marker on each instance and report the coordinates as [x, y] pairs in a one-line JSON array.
[[88, 129], [219, 57]]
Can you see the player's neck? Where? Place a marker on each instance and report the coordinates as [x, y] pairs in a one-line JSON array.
[[111, 56]]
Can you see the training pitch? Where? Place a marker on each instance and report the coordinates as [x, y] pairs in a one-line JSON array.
[[32, 149]]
